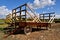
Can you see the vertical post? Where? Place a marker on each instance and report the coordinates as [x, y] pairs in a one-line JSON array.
[[12, 16], [25, 12], [43, 17], [40, 16], [15, 19], [20, 15], [49, 16]]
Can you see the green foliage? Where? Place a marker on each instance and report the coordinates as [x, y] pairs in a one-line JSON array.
[[57, 20]]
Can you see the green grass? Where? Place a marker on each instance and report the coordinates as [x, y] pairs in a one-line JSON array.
[[1, 20], [3, 25]]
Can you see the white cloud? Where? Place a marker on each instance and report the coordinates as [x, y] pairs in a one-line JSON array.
[[4, 11], [57, 16], [41, 3]]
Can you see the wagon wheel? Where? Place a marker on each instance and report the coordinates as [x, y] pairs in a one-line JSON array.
[[27, 30]]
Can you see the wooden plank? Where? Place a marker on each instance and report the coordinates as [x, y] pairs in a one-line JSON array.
[[33, 24]]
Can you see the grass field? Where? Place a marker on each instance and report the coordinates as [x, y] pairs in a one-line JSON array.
[[2, 24], [1, 20]]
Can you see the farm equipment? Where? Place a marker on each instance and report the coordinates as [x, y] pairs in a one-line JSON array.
[[20, 20]]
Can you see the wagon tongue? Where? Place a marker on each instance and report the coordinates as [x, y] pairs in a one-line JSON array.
[[11, 32]]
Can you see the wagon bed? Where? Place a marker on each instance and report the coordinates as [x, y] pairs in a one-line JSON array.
[[33, 24]]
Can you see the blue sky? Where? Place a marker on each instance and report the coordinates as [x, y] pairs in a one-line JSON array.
[[11, 4]]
